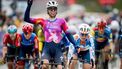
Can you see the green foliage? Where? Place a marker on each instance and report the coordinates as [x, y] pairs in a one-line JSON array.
[[93, 5]]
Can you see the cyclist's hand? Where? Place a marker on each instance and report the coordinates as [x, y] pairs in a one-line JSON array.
[[81, 49], [78, 50], [30, 2], [104, 50], [107, 48], [2, 61]]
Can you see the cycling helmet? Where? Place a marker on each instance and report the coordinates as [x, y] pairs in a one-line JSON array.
[[52, 3], [12, 29], [84, 29], [101, 23], [27, 28], [114, 25]]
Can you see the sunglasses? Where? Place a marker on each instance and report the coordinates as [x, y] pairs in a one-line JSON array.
[[26, 33], [12, 33], [101, 27], [52, 8], [84, 34]]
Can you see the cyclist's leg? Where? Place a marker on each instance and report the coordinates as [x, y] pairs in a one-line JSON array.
[[10, 63], [31, 53], [97, 48], [45, 57], [86, 66], [106, 48], [35, 55], [21, 63], [105, 64], [36, 60], [59, 58], [73, 62], [45, 61], [27, 62], [10, 60], [86, 60]]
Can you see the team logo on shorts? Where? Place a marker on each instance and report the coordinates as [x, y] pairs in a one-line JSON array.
[[61, 58]]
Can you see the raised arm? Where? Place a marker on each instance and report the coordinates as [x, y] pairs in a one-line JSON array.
[[32, 20], [27, 12]]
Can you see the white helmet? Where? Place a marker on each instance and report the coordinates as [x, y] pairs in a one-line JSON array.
[[84, 28], [114, 25], [52, 3]]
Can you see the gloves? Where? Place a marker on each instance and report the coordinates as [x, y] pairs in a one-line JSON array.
[[30, 2], [82, 48]]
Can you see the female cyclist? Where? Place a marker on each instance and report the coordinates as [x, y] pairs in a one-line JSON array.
[[11, 43], [53, 28], [85, 44], [29, 46]]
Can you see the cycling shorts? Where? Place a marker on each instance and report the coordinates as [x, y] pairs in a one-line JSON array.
[[26, 50], [99, 46], [52, 50], [11, 52], [85, 56]]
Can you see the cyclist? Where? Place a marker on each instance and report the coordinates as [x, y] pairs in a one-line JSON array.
[[52, 28], [103, 39], [115, 30], [11, 42], [85, 43], [120, 49], [41, 39], [29, 45]]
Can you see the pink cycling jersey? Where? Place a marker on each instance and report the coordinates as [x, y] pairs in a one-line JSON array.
[[52, 29]]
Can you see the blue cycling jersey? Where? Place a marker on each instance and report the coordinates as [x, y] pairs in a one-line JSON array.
[[28, 42], [89, 42], [89, 46], [102, 37]]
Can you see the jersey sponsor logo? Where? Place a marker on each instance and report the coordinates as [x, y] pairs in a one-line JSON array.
[[53, 36], [100, 39], [53, 26], [61, 58]]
